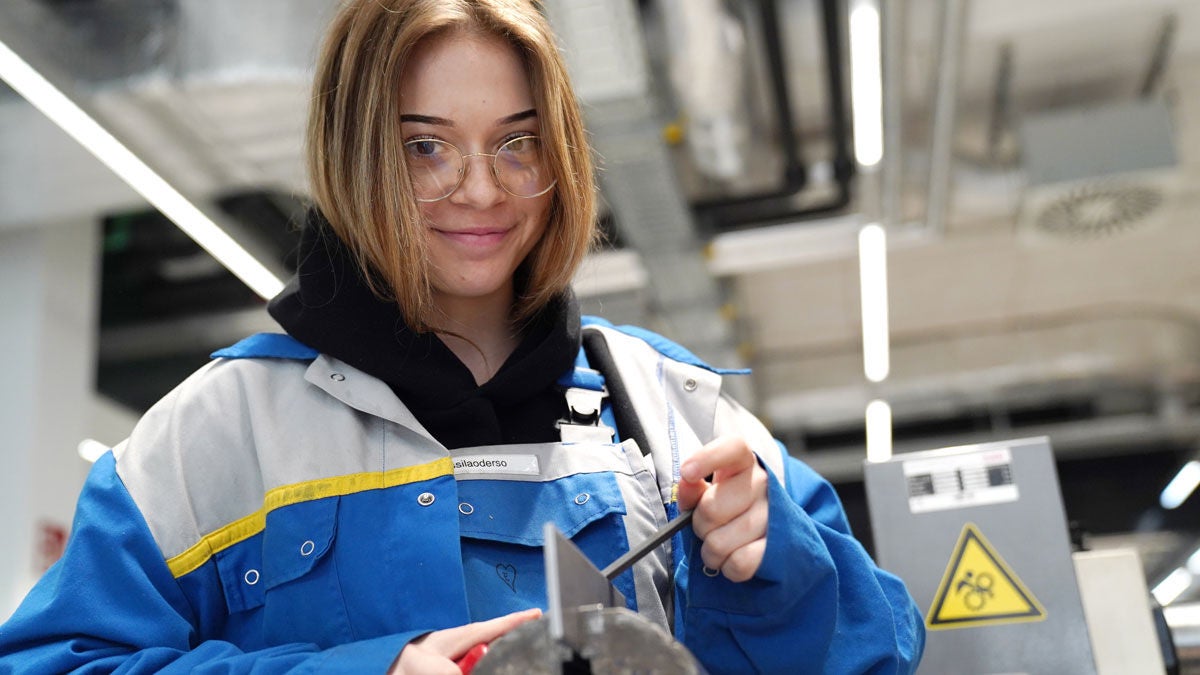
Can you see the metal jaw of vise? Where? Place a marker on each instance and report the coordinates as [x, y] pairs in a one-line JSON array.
[[587, 629]]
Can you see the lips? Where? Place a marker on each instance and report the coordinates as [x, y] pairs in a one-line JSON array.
[[475, 236]]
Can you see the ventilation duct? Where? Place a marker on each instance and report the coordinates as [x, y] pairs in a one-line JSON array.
[[1097, 171]]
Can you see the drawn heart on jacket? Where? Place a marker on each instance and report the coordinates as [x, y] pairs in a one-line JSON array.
[[508, 574]]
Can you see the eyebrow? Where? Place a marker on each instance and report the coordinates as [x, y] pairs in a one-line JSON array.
[[443, 122]]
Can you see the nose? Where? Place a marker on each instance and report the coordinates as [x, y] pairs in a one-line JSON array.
[[479, 187]]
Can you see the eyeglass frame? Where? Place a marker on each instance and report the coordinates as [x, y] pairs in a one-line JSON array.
[[463, 174]]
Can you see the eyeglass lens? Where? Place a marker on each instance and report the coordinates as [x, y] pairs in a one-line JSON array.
[[437, 168]]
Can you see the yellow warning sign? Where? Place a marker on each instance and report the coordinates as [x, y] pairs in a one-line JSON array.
[[979, 589]]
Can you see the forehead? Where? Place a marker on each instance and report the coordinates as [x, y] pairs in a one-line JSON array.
[[466, 78]]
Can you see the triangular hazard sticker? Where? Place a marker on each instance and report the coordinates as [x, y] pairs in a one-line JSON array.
[[978, 588]]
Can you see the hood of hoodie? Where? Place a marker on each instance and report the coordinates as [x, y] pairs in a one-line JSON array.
[[327, 305]]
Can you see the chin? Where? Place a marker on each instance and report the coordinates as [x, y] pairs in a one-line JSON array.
[[474, 289]]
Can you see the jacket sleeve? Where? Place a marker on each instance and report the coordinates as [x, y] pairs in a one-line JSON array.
[[112, 605], [817, 605]]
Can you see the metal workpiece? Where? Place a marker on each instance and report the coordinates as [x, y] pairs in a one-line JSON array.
[[615, 640], [573, 588], [587, 630]]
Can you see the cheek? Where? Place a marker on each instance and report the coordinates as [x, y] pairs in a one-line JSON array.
[[539, 215], [427, 212]]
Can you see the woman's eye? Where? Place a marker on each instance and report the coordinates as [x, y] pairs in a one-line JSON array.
[[423, 148], [522, 146]]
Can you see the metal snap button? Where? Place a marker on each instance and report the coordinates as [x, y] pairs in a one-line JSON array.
[[251, 577], [425, 498], [709, 572], [689, 384], [337, 377], [307, 548], [582, 498], [466, 509]]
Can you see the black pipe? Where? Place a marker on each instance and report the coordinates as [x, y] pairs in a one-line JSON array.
[[843, 159], [779, 205]]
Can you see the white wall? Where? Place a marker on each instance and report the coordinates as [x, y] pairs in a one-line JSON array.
[[48, 305]]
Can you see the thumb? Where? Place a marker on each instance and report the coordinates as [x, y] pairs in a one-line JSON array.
[[689, 492], [454, 642]]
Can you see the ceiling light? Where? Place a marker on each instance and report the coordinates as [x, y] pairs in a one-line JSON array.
[[1181, 486], [44, 96], [866, 82], [879, 431], [1172, 587], [872, 271]]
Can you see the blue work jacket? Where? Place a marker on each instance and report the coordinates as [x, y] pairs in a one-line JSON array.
[[281, 511]]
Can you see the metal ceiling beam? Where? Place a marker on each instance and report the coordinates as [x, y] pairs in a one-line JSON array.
[[895, 42], [951, 37]]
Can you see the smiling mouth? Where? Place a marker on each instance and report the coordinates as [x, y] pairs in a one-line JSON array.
[[476, 232], [482, 236]]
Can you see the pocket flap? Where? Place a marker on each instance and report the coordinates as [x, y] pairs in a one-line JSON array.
[[240, 569], [515, 511], [296, 537]]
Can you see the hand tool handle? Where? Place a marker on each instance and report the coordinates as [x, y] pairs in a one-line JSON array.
[[636, 553]]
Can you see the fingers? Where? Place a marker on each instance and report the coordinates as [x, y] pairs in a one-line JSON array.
[[737, 547], [689, 494], [435, 653], [726, 499], [738, 482], [730, 514], [454, 642], [719, 460], [415, 659], [725, 455]]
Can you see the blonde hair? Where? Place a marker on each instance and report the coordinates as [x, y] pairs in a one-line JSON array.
[[358, 175]]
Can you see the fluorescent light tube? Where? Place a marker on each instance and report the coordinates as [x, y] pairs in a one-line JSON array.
[[879, 431], [1172, 587], [866, 82], [1181, 486], [872, 272], [44, 96]]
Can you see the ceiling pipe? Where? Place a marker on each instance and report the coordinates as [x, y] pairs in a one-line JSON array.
[[1001, 103], [780, 205], [895, 42], [951, 37], [1160, 57]]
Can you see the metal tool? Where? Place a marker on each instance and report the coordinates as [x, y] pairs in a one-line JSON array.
[[638, 552]]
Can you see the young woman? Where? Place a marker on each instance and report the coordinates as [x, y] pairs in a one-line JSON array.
[[367, 492]]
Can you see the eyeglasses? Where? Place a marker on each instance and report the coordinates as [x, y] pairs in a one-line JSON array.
[[437, 168]]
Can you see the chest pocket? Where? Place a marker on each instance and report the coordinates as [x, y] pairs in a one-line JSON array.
[[283, 581], [501, 524], [297, 585]]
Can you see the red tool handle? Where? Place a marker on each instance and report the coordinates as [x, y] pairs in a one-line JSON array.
[[468, 661]]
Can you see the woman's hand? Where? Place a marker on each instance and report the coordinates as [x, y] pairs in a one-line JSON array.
[[731, 511], [435, 653]]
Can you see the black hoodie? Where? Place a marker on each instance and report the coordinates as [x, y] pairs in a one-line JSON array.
[[328, 306]]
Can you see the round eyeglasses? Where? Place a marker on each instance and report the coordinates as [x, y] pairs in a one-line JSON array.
[[437, 168]]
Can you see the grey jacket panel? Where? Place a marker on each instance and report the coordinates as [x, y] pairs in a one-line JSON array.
[[204, 461]]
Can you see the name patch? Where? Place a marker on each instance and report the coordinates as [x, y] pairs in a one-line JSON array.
[[523, 465]]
